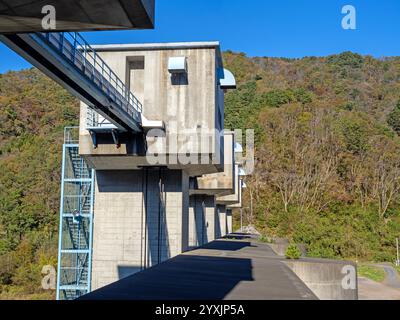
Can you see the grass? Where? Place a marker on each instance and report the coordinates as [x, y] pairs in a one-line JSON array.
[[265, 239], [398, 269], [371, 272]]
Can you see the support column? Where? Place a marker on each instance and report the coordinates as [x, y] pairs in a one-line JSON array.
[[140, 220], [202, 215], [229, 222], [222, 222]]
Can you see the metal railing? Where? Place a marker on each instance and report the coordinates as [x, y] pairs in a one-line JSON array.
[[76, 221], [80, 54], [94, 120], [71, 135]]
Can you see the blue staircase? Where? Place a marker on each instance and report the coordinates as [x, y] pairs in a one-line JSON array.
[[76, 221]]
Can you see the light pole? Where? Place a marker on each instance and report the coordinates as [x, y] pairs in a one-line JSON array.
[[398, 257]]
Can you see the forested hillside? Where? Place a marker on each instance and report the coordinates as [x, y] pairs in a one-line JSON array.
[[328, 159], [33, 112], [328, 150]]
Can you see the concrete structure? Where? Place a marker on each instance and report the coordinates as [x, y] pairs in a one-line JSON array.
[[189, 104], [129, 206], [155, 192], [233, 200], [280, 246], [326, 277], [229, 221], [140, 220], [221, 228], [203, 210], [202, 220], [222, 183], [222, 270], [26, 16]]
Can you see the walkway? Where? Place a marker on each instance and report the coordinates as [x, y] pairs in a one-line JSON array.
[[228, 269]]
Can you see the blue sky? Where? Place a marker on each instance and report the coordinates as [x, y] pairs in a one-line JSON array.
[[282, 28]]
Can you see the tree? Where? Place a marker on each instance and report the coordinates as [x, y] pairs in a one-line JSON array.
[[394, 118]]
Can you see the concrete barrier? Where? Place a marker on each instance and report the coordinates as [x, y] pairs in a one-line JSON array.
[[328, 279], [280, 246]]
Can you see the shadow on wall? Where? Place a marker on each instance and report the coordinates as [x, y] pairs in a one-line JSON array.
[[199, 204], [239, 236], [154, 186], [155, 199], [126, 271], [179, 79], [185, 277], [218, 230]]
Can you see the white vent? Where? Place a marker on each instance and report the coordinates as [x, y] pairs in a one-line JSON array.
[[177, 65], [226, 79]]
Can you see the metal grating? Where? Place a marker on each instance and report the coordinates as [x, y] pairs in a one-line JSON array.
[[76, 221]]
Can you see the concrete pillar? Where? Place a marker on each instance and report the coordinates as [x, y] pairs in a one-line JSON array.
[[140, 220], [229, 222], [201, 220], [221, 212]]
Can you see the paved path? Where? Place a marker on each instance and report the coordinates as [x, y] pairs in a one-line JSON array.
[[222, 270], [389, 289], [372, 290], [392, 278]]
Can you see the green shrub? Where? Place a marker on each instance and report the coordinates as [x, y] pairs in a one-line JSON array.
[[293, 252]]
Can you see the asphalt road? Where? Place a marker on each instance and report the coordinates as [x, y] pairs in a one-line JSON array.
[[227, 269], [389, 289]]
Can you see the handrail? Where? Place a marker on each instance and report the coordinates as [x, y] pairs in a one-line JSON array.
[[71, 135], [80, 54]]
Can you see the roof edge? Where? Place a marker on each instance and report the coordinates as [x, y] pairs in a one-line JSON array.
[[155, 46]]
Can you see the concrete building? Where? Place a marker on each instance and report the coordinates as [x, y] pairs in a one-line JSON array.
[[140, 183], [207, 221], [186, 104], [155, 192], [233, 200]]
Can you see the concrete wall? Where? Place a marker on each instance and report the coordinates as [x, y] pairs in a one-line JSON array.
[[229, 221], [188, 102], [280, 246], [140, 220], [324, 277], [222, 222], [222, 183], [202, 220], [234, 198]]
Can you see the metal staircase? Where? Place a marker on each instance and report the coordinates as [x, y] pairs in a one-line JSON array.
[[76, 220]]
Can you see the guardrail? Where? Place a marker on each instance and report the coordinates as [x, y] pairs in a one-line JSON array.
[[79, 53]]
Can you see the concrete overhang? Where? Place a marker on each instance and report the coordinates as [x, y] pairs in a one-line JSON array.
[[222, 183], [26, 15], [237, 205], [234, 198]]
